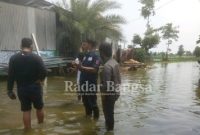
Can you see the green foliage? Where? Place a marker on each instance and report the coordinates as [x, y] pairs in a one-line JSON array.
[[137, 40], [198, 41], [139, 54], [145, 12], [180, 51], [147, 9], [169, 33], [81, 19], [150, 40], [188, 53], [197, 51], [188, 56]]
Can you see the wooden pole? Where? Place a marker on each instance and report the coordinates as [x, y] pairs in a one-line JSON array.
[[38, 52], [36, 44]]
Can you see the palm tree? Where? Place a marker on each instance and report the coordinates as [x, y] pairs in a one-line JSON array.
[[81, 19]]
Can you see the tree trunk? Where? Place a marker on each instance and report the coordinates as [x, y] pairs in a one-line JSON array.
[[167, 52]]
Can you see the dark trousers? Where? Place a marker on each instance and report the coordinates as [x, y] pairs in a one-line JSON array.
[[108, 103], [90, 104]]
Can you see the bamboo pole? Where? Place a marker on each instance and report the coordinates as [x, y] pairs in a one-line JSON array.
[[38, 52]]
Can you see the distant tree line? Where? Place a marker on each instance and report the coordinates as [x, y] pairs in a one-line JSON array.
[[181, 52]]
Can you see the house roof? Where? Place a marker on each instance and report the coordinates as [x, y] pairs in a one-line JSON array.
[[41, 4]]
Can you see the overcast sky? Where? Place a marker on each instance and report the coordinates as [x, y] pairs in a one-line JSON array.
[[182, 13]]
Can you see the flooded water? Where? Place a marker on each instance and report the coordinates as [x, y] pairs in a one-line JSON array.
[[165, 100]]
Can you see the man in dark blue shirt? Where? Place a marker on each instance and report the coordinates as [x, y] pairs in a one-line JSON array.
[[28, 70], [78, 60], [88, 80]]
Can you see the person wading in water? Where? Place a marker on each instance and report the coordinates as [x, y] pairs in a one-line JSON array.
[[110, 82], [88, 79], [28, 70]]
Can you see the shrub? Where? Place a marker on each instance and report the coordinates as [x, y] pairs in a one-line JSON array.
[[139, 54]]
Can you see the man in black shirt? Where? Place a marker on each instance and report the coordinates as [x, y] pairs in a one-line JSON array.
[[28, 70]]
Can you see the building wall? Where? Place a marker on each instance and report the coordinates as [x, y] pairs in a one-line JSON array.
[[17, 22]]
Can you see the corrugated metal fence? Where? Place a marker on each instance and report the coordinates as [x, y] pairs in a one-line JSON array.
[[17, 22]]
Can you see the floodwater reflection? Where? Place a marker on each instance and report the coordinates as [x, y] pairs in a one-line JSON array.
[[166, 102]]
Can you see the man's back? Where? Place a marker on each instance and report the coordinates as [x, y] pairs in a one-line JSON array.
[[110, 74], [115, 73], [26, 68]]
